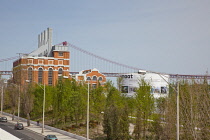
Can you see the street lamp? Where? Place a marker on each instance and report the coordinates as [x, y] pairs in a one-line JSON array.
[[177, 110], [177, 104], [18, 104], [2, 94], [88, 111], [43, 102]]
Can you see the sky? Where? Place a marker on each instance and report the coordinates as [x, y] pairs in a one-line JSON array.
[[163, 36]]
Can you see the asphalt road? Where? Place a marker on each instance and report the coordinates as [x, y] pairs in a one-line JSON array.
[[21, 134]]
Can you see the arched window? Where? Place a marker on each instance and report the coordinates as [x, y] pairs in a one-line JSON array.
[[60, 73], [94, 78], [40, 75], [88, 78], [30, 74], [50, 76], [100, 79]]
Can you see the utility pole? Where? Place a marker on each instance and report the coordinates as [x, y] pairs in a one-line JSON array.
[[19, 86]]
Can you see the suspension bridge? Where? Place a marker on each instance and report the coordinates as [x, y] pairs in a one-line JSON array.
[[81, 59]]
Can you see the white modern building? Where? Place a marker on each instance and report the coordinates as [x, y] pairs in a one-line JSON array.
[[158, 82]]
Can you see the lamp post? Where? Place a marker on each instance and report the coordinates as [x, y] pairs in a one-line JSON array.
[[2, 96], [177, 111], [43, 102], [43, 110], [18, 103], [88, 111], [177, 103]]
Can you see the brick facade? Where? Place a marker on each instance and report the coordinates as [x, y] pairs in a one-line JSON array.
[[44, 65], [92, 76]]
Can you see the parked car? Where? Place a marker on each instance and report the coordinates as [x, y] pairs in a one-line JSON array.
[[3, 119], [19, 126], [50, 137]]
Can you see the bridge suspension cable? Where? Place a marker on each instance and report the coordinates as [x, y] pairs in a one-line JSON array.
[[101, 58], [105, 60]]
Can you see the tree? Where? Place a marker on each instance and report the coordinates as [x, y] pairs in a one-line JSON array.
[[194, 110], [12, 93], [28, 101], [97, 105], [38, 100], [158, 118], [145, 107], [116, 124], [119, 83], [69, 101], [170, 113]]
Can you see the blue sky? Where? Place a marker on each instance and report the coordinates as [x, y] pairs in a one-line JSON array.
[[163, 36]]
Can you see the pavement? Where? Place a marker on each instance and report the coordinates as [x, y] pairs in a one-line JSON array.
[[7, 136], [38, 129]]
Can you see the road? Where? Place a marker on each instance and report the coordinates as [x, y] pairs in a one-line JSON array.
[[21, 134]]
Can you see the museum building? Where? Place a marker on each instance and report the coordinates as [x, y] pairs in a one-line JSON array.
[[45, 65]]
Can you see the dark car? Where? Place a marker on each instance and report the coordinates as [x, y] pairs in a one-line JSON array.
[[3, 119], [50, 137], [19, 126]]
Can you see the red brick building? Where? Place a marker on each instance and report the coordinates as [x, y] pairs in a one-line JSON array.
[[45, 65], [92, 76]]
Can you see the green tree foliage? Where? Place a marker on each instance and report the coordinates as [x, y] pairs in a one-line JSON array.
[[69, 101], [97, 105], [158, 119], [38, 93], [145, 108], [131, 105], [66, 105], [116, 124], [11, 95], [169, 124], [28, 101], [194, 110]]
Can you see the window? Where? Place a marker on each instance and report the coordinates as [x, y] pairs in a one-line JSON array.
[[132, 89], [30, 61], [100, 79], [124, 89], [40, 75], [156, 90], [50, 76], [50, 62], [40, 61], [163, 90], [60, 53], [60, 73], [94, 78], [30, 74], [88, 78], [60, 62]]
